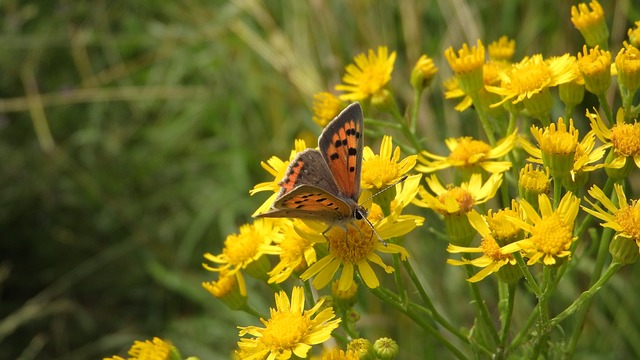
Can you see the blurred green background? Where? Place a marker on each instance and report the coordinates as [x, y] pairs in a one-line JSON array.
[[132, 131]]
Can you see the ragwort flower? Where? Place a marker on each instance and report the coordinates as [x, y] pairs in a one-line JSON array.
[[370, 73], [591, 23], [550, 232], [244, 249], [156, 349], [278, 168], [492, 260], [296, 252], [290, 331], [624, 138], [325, 107], [469, 155], [624, 219], [380, 171]]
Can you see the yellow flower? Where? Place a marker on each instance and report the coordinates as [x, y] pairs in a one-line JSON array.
[[533, 182], [470, 155], [354, 244], [454, 202], [338, 354], [484, 99], [595, 67], [278, 168], [227, 290], [325, 107], [624, 219], [550, 232], [559, 150], [467, 66], [291, 330], [423, 72], [458, 199], [623, 137], [634, 35], [628, 67], [156, 349], [296, 252], [380, 171], [368, 75], [502, 50], [502, 230], [491, 260], [241, 250], [590, 23], [531, 78]]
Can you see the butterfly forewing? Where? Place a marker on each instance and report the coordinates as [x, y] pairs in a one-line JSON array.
[[341, 145], [308, 168]]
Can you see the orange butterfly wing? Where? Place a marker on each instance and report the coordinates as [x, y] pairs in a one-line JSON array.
[[341, 145]]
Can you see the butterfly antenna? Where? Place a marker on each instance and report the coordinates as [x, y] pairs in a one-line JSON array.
[[385, 189]]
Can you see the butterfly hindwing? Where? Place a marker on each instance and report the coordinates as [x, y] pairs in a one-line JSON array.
[[309, 202], [341, 145]]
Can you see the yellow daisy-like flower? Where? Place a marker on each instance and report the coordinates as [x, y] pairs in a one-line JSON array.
[[533, 76], [590, 23], [296, 252], [624, 218], [325, 107], [353, 245], [241, 250], [368, 75], [379, 171], [278, 168], [584, 156], [490, 76], [634, 35], [227, 290], [628, 67], [533, 182], [502, 230], [156, 349], [502, 50], [290, 330], [467, 65], [454, 202], [491, 260], [470, 155], [550, 232], [595, 67], [338, 354], [458, 199], [423, 72], [623, 137]]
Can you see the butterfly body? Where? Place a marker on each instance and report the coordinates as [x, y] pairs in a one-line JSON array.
[[324, 184]]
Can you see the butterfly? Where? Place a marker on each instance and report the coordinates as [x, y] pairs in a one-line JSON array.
[[324, 184]]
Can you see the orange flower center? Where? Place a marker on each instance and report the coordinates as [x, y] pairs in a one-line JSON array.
[[626, 139]]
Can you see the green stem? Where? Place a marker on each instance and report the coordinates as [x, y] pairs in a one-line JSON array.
[[506, 322], [585, 296], [251, 311], [602, 99], [392, 299], [527, 274], [486, 125], [433, 312], [603, 252], [482, 307], [524, 332], [414, 111], [543, 309]]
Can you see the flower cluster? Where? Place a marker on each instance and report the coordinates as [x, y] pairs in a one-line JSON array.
[[512, 202]]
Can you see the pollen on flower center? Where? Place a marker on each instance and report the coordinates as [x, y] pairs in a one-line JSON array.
[[626, 139], [461, 196], [285, 330], [469, 151], [353, 246], [242, 247], [491, 249], [500, 227], [379, 170], [532, 77], [559, 142], [551, 236], [629, 219]]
